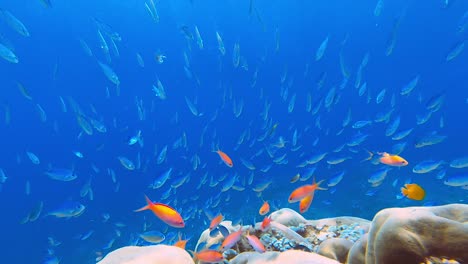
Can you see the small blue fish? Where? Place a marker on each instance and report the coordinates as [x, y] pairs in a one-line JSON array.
[[459, 180], [78, 154], [153, 237], [128, 164], [427, 166], [61, 174], [335, 179], [68, 210]]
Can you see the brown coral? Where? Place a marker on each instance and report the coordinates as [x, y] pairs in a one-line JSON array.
[[410, 235]]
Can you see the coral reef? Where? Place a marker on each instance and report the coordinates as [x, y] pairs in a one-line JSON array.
[[396, 235], [413, 234], [288, 217], [149, 254], [335, 248], [289, 257]]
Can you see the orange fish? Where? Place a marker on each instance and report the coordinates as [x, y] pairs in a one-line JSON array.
[[255, 243], [231, 239], [413, 191], [264, 209], [208, 256], [181, 243], [215, 221], [306, 202], [392, 160], [265, 223], [304, 191], [164, 212], [225, 158]]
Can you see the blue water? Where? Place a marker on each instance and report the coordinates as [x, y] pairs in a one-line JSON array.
[[52, 64]]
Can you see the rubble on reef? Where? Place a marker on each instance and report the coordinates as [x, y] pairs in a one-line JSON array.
[[396, 235]]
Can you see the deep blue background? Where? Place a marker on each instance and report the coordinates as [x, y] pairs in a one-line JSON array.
[[426, 34]]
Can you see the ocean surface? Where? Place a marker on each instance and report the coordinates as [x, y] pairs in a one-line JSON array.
[[101, 99]]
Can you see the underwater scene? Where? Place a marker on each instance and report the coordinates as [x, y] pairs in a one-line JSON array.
[[235, 131]]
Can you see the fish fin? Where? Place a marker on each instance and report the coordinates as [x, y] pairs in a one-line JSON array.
[[370, 155], [318, 185], [146, 207], [404, 191]]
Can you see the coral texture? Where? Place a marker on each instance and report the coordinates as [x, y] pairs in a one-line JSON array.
[[150, 254]]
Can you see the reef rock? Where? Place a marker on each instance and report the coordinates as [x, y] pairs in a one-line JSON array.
[[413, 234], [290, 257], [288, 217], [342, 220], [335, 248], [357, 253], [149, 254]]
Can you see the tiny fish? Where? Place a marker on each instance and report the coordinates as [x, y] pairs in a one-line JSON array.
[[304, 191], [164, 212], [427, 166], [392, 160], [413, 191], [459, 180], [215, 221], [128, 164], [153, 237], [68, 210], [61, 174], [459, 163], [208, 256], [264, 209], [181, 243], [231, 239], [255, 243], [225, 158]]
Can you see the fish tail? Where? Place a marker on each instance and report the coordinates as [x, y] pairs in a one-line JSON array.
[[404, 191], [370, 155], [146, 207], [318, 185]]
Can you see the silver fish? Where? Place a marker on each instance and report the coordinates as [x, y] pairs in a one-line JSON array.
[[7, 54], [61, 174], [14, 23]]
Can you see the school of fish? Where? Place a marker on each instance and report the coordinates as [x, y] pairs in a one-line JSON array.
[[247, 133]]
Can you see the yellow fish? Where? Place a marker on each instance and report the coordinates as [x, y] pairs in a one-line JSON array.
[[413, 191]]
